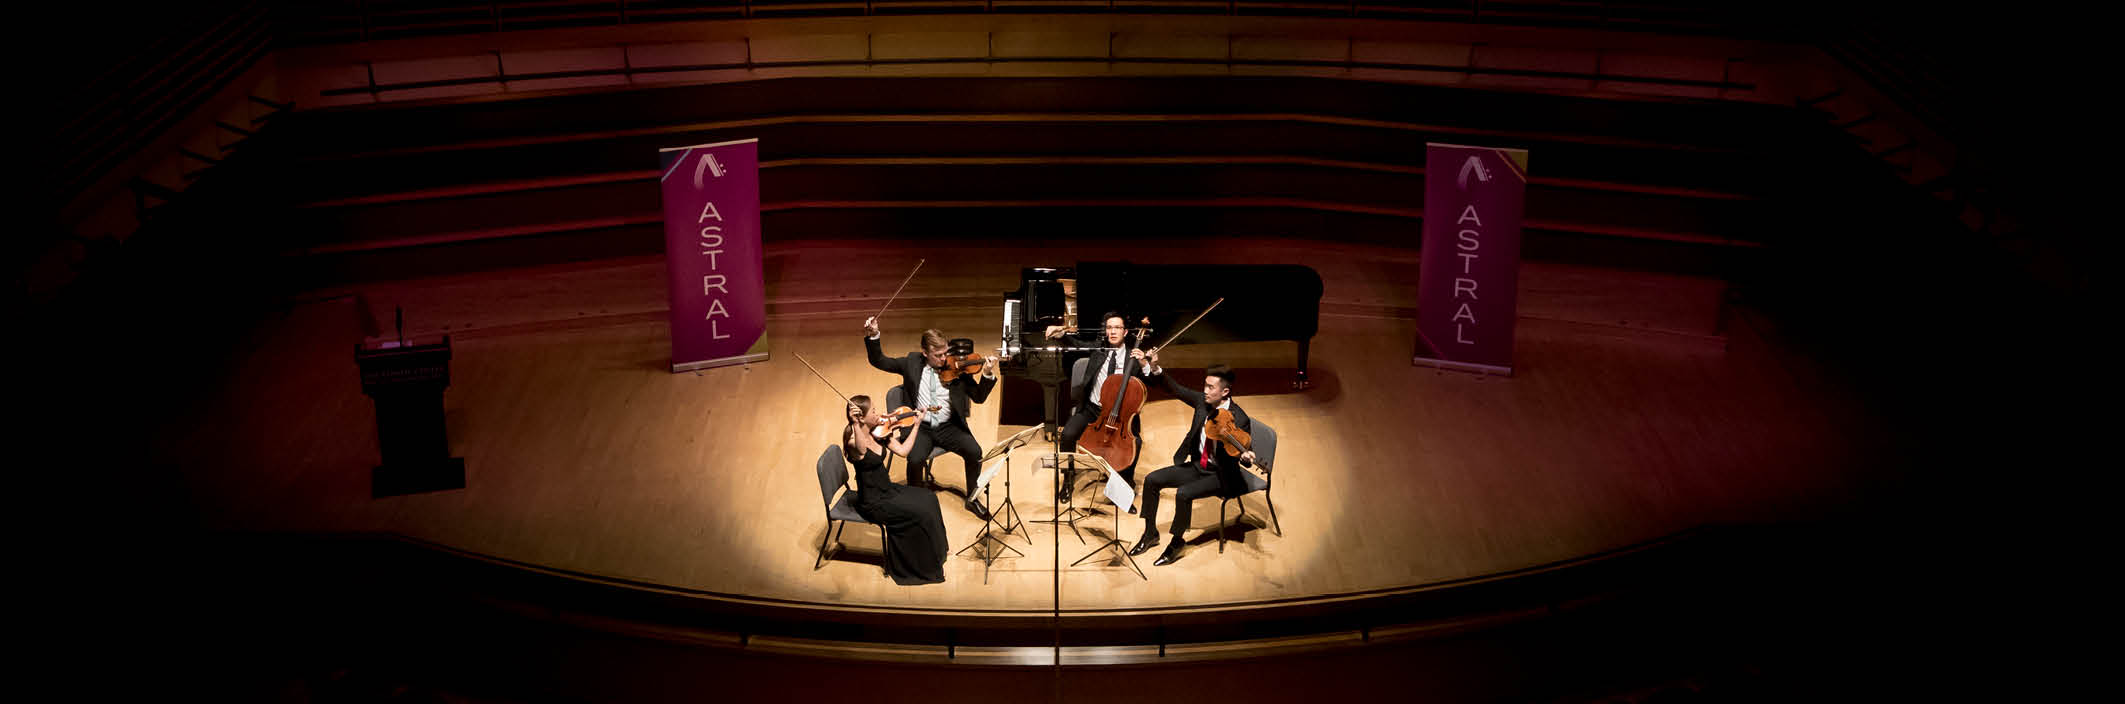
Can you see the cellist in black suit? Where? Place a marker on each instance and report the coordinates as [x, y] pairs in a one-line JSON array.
[[1112, 360], [1200, 468], [944, 405]]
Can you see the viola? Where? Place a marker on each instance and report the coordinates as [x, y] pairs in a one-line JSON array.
[[958, 365], [1226, 432]]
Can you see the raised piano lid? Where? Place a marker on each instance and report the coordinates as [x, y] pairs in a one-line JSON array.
[[1041, 290], [1262, 301]]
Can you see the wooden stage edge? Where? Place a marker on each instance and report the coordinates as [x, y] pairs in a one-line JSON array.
[[1678, 574], [744, 600]]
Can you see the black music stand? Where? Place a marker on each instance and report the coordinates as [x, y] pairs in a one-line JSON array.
[[1013, 523], [1066, 510], [1121, 503], [991, 525]]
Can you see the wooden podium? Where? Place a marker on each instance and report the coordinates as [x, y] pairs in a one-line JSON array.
[[407, 382]]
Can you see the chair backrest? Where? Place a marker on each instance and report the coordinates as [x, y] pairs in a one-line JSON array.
[[833, 474], [1264, 444], [1078, 370]]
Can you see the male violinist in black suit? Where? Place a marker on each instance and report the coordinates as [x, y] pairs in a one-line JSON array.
[[1113, 360], [944, 405], [1200, 466]]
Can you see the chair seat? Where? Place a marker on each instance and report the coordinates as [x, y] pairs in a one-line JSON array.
[[1255, 483], [845, 511]]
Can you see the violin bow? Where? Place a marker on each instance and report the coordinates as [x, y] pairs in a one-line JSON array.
[[822, 379], [1184, 328], [903, 285]]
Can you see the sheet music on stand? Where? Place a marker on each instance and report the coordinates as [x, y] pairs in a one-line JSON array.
[[1119, 491], [1085, 458], [988, 472], [999, 450]]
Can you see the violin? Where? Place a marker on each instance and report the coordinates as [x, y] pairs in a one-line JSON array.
[[958, 365], [1224, 431], [900, 418]]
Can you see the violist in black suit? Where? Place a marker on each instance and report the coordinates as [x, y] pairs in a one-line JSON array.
[[1100, 366], [944, 423], [1200, 468]]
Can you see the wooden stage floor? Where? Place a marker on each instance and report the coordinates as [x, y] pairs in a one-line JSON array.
[[1641, 408]]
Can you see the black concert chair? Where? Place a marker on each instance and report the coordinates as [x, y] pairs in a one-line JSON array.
[[1077, 383], [896, 397], [1265, 458], [835, 496]]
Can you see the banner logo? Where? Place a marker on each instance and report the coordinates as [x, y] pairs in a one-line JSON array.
[[708, 163], [1474, 164]]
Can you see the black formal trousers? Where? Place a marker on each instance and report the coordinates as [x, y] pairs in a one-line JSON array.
[[1188, 476], [954, 438], [1189, 483]]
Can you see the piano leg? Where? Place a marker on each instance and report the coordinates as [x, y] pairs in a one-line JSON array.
[[1047, 396], [1301, 383]]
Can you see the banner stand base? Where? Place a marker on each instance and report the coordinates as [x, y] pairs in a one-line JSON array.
[[723, 362], [1470, 367]]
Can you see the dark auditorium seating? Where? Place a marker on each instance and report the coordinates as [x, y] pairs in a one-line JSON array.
[[1314, 158]]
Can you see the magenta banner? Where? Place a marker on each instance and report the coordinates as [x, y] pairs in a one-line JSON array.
[[712, 248], [1468, 281]]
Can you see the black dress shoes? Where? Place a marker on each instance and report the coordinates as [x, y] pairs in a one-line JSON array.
[[1170, 556], [1144, 545], [974, 507]]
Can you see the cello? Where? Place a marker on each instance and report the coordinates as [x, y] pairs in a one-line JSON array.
[[1120, 397]]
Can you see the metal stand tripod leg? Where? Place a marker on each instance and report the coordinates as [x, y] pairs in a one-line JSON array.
[[1007, 518], [1115, 543], [987, 535]]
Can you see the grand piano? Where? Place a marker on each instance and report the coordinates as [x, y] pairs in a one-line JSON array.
[[1263, 303]]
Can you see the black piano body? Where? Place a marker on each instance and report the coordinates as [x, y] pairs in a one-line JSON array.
[[1263, 303]]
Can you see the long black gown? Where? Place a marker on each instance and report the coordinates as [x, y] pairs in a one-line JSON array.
[[913, 525]]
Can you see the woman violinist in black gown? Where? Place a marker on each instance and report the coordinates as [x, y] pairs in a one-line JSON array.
[[914, 527]]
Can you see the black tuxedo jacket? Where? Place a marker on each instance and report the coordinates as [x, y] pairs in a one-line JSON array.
[[1094, 361], [1226, 467], [961, 390]]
